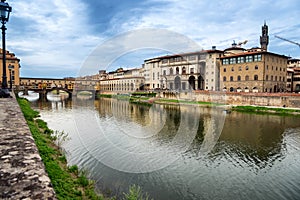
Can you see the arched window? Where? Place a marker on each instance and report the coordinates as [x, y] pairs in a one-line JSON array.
[[240, 68], [267, 77], [239, 78], [232, 69], [224, 78], [255, 77], [231, 89], [183, 70], [247, 78], [231, 78], [247, 68], [256, 67], [177, 70], [171, 71]]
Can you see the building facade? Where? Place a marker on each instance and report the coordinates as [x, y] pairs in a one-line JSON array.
[[254, 70], [293, 75], [46, 83], [12, 69], [188, 71], [122, 80]]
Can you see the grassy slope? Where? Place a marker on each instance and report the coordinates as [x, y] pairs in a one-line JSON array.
[[67, 182]]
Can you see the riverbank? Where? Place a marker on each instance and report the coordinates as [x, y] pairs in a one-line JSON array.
[[69, 182], [145, 100]]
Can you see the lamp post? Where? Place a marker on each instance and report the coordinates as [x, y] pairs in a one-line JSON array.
[[5, 10], [10, 68]]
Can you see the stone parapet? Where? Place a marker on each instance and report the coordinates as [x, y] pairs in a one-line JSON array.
[[22, 172]]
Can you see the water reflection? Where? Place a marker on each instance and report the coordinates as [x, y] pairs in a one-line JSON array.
[[255, 157], [32, 96]]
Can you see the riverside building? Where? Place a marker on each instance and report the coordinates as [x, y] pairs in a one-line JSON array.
[[293, 75], [253, 70], [187, 71], [12, 68]]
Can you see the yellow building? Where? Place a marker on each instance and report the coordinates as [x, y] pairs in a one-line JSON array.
[[253, 70], [47, 83], [12, 68]]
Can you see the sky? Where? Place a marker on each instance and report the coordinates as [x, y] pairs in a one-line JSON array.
[[55, 39]]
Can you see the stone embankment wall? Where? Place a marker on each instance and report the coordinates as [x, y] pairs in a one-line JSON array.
[[238, 98], [22, 172]]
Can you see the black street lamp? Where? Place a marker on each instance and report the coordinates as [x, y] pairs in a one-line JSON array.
[[5, 10], [10, 68]]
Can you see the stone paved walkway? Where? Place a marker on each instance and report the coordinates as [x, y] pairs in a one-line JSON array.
[[22, 172]]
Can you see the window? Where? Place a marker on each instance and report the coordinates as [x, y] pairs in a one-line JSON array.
[[240, 59], [240, 68], [171, 71], [164, 72], [224, 70], [157, 75], [224, 78], [231, 78], [267, 67], [257, 57], [247, 68], [153, 75], [164, 61], [177, 70], [225, 61], [275, 78], [256, 67], [247, 78], [249, 58], [239, 78], [271, 78], [192, 70], [192, 58], [183, 70], [267, 77], [178, 59], [232, 69], [232, 60], [255, 77]]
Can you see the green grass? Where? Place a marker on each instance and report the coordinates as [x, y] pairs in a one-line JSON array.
[[267, 110], [135, 193], [68, 183], [104, 95], [145, 94]]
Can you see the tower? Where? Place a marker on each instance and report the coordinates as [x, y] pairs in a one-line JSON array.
[[264, 38]]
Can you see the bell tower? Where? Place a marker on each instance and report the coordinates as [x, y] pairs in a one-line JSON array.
[[264, 38]]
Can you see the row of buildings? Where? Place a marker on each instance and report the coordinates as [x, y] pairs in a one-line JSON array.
[[234, 69]]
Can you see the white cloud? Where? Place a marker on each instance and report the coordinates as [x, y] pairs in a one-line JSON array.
[[58, 35]]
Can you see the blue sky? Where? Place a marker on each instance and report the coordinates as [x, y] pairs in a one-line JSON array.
[[54, 38]]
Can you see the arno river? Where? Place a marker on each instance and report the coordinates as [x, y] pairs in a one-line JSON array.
[[179, 151]]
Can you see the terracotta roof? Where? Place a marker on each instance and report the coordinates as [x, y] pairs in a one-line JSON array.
[[185, 54]]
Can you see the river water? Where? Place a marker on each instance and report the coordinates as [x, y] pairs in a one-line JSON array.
[[179, 151]]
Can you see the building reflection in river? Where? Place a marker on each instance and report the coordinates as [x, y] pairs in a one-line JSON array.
[[251, 152]]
